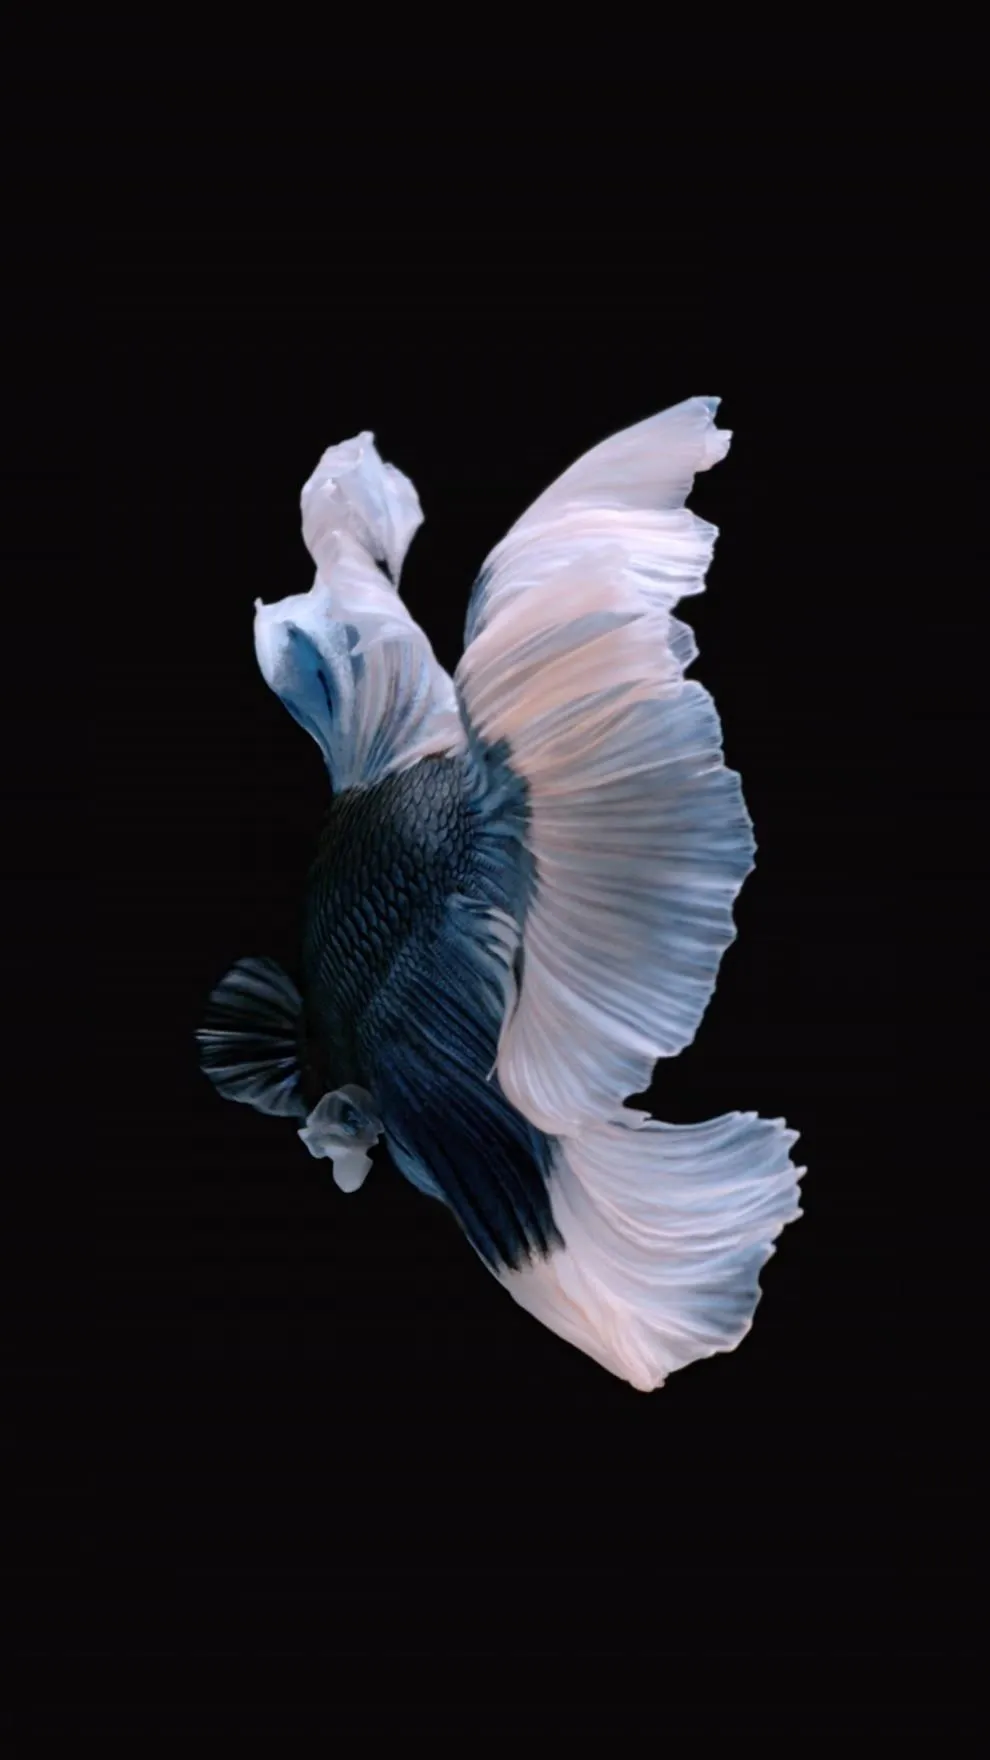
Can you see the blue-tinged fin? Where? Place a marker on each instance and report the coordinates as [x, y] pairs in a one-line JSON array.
[[346, 658], [413, 1169], [432, 1042], [251, 1042]]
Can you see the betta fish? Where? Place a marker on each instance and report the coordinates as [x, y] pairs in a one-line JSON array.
[[520, 899]]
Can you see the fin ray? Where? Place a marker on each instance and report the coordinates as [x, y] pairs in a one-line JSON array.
[[666, 1230], [639, 833], [251, 1039], [432, 1044]]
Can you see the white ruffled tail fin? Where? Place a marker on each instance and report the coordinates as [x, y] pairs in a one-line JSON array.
[[666, 1229], [346, 658]]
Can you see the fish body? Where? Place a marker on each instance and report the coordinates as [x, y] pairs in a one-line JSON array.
[[520, 898], [390, 856]]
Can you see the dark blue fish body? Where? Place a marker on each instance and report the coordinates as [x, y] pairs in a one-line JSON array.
[[520, 897], [391, 985], [389, 858]]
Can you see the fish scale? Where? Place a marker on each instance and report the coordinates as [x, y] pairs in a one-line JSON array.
[[390, 855]]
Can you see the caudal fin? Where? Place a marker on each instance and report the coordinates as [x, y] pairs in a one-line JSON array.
[[666, 1229], [251, 1040]]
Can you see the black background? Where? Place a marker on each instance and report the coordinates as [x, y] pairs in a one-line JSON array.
[[268, 1421]]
